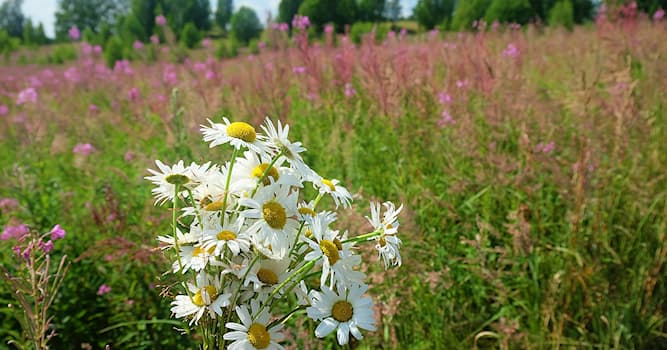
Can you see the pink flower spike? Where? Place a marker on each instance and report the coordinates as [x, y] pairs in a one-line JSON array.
[[4, 110], [133, 94], [298, 70], [74, 33], [46, 247], [160, 20], [155, 39], [83, 149], [138, 45], [659, 15], [104, 289], [26, 96], [57, 233]]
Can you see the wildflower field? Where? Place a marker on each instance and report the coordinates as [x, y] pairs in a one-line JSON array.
[[531, 164]]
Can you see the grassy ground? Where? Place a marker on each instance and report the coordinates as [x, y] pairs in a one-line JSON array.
[[533, 177]]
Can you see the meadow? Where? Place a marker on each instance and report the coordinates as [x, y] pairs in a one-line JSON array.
[[532, 164]]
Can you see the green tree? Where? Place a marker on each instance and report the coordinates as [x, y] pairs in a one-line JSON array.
[[430, 13], [562, 14], [223, 13], [321, 12], [181, 12], [41, 34], [87, 14], [467, 12], [12, 18], [518, 11], [392, 10], [190, 35], [131, 29], [583, 10], [145, 12], [287, 9], [29, 32], [371, 10], [245, 25]]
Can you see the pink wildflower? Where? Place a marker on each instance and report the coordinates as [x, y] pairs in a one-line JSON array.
[[349, 90], [92, 108], [659, 15], [138, 45], [74, 33], [328, 29], [129, 156], [511, 51], [8, 204], [155, 39], [206, 43], [104, 289], [4, 110], [444, 98], [27, 95], [133, 94], [83, 149], [46, 247], [160, 20], [14, 232], [298, 70], [446, 119], [300, 22], [57, 233], [97, 49], [210, 75]]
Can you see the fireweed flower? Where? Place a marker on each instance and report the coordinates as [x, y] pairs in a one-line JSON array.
[[57, 232], [4, 110], [238, 134], [138, 45], [14, 232], [160, 20], [28, 95], [74, 33], [345, 312], [254, 333], [104, 289], [84, 149]]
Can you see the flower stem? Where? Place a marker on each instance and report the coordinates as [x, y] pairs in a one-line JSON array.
[[229, 177], [309, 265], [173, 225]]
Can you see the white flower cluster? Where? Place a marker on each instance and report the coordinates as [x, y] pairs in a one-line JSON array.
[[245, 239]]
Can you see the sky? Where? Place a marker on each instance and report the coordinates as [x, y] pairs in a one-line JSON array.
[[44, 10]]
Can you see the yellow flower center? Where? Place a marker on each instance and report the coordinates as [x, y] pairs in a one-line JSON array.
[[338, 243], [225, 235], [274, 214], [306, 211], [309, 233], [330, 250], [259, 170], [383, 242], [214, 206], [342, 311], [177, 179], [199, 300], [241, 130], [200, 250], [267, 276], [258, 336], [329, 184]]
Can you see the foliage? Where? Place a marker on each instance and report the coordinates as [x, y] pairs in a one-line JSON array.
[[145, 11], [430, 13], [245, 25], [562, 14], [223, 13], [190, 35], [370, 10], [12, 18], [287, 9], [467, 12], [340, 13], [510, 11], [8, 44], [113, 51], [181, 12], [86, 14]]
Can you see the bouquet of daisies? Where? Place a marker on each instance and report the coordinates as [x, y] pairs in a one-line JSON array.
[[245, 243]]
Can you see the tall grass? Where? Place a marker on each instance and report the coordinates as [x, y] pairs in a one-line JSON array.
[[534, 179]]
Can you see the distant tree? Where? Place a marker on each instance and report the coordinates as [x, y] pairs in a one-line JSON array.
[[467, 12], [518, 11], [145, 11], [41, 34], [12, 18], [321, 12], [287, 9], [131, 29], [370, 10], [33, 35], [7, 43], [87, 14], [190, 35], [583, 10], [181, 12], [245, 25], [223, 13], [392, 10], [562, 14], [430, 13]]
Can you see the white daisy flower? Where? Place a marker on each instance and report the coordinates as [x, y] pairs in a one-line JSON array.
[[238, 134], [388, 243], [207, 297], [267, 274], [251, 335], [250, 168], [388, 249], [339, 193], [346, 312], [337, 260], [272, 209], [195, 257], [230, 235], [166, 180], [188, 238], [277, 139]]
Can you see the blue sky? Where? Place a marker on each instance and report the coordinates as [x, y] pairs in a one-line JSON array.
[[44, 10]]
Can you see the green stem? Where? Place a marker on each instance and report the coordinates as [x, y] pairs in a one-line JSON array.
[[173, 225], [309, 265], [236, 294], [286, 317], [298, 234], [229, 177], [194, 205], [363, 237]]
